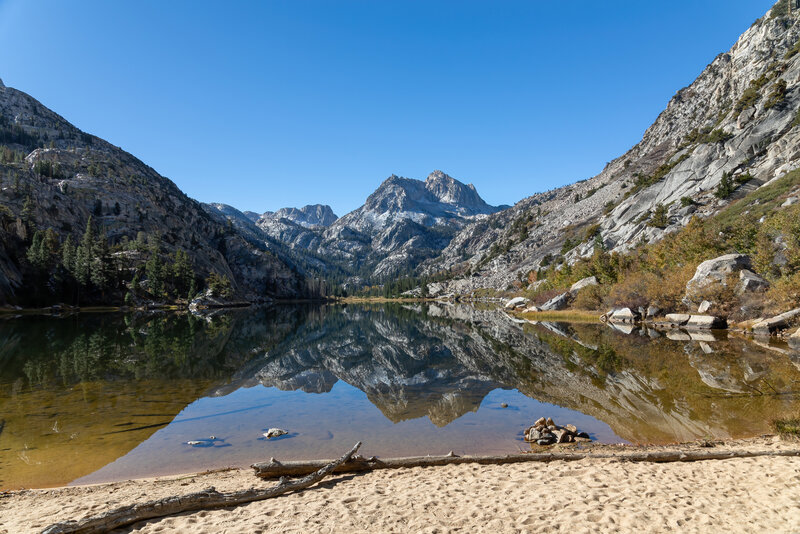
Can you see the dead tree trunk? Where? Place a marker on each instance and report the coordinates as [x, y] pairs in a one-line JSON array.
[[274, 469], [208, 498]]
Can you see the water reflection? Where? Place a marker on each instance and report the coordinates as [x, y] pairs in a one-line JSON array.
[[100, 397]]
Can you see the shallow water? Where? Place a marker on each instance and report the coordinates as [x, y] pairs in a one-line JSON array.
[[102, 397]]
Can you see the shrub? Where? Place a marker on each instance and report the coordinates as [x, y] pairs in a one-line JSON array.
[[787, 426], [592, 232], [659, 218], [777, 95], [591, 298], [793, 51], [219, 285], [726, 186], [633, 292], [687, 201], [568, 245]]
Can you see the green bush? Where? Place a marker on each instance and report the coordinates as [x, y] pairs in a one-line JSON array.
[[659, 218], [726, 186], [777, 95]]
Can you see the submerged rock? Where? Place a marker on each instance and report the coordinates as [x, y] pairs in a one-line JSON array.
[[275, 433]]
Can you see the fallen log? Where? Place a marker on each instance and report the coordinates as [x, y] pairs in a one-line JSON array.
[[275, 469], [201, 500]]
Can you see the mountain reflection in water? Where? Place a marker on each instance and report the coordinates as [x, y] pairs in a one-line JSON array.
[[107, 396]]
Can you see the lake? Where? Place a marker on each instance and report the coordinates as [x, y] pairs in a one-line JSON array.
[[100, 397]]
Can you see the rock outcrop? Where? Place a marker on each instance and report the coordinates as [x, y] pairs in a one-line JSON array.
[[715, 272]]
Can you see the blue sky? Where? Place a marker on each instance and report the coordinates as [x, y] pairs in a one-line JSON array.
[[269, 104]]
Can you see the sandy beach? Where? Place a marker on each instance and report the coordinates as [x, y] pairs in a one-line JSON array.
[[590, 495]]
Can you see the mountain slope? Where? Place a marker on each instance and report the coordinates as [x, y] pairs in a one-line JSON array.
[[401, 224], [736, 124], [54, 176], [309, 216]]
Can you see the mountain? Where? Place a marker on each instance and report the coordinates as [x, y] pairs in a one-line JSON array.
[[309, 216], [401, 224], [54, 177], [733, 130]]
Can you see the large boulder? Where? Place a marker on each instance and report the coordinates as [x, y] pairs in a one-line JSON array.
[[750, 282], [624, 315], [715, 272], [704, 322], [679, 319], [558, 302], [580, 284], [516, 302]]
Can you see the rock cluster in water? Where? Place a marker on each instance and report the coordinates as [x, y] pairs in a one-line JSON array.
[[546, 432]]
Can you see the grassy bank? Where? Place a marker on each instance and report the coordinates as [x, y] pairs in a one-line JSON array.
[[568, 316]]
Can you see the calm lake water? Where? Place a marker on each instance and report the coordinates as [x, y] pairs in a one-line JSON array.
[[100, 397]]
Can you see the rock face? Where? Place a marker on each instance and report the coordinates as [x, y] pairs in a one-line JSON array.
[[707, 129], [78, 175], [716, 272]]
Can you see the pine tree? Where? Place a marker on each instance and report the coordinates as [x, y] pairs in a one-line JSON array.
[[35, 251], [27, 210], [182, 272], [154, 269], [100, 268], [84, 254], [68, 255]]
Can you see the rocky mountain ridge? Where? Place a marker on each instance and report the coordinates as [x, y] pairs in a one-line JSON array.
[[310, 216], [738, 121], [403, 222], [54, 176]]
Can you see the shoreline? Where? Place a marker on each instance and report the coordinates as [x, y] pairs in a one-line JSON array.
[[732, 494]]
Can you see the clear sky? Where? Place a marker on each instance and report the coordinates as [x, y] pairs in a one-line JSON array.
[[269, 104]]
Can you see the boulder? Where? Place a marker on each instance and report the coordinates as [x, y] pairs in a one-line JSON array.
[[517, 302], [580, 284], [716, 271], [275, 433], [704, 306], [679, 319], [624, 315], [531, 309], [706, 322], [750, 282], [775, 324], [557, 303], [652, 311]]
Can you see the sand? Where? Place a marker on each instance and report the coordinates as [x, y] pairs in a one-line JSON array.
[[592, 495]]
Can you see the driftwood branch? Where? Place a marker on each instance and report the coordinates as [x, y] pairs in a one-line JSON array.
[[274, 469], [208, 498]]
